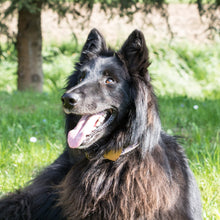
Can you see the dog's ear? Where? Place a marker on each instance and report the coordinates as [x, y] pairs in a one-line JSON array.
[[135, 53], [95, 44]]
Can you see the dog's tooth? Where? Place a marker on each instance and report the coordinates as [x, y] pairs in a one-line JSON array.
[[98, 123], [101, 119]]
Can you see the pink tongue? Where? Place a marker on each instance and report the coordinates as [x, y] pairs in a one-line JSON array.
[[84, 127]]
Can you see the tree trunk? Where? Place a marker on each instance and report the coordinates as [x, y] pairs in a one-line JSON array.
[[29, 46]]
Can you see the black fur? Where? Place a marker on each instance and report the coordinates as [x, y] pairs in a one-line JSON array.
[[153, 181]]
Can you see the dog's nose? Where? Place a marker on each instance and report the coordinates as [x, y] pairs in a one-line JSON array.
[[69, 100]]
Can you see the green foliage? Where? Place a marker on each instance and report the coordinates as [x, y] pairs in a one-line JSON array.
[[66, 48], [186, 69], [186, 110], [177, 69], [8, 52], [64, 55]]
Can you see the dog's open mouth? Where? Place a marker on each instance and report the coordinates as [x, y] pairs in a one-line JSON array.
[[88, 128]]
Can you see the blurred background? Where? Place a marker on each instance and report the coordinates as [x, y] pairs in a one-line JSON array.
[[41, 39]]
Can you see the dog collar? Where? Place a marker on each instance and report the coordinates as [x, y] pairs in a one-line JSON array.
[[113, 155]]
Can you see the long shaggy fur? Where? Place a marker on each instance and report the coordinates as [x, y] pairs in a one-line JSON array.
[[115, 191], [151, 182]]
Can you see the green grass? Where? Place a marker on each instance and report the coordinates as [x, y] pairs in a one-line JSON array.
[[185, 76], [186, 69], [26, 115]]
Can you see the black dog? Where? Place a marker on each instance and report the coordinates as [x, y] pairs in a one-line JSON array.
[[119, 164]]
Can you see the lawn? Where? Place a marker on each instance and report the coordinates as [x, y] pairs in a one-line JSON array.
[[186, 79]]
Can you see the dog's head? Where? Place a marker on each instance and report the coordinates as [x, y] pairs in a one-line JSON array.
[[102, 94]]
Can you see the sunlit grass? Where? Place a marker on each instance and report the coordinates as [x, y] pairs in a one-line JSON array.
[[186, 69], [23, 116]]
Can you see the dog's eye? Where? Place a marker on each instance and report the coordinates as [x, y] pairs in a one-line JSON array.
[[82, 76], [80, 79], [109, 81]]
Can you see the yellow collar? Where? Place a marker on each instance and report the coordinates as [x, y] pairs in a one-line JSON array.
[[113, 155]]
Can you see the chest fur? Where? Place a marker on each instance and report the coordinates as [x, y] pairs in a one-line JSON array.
[[125, 189]]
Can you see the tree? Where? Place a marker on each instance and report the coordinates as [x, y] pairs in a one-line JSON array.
[[29, 37], [29, 45]]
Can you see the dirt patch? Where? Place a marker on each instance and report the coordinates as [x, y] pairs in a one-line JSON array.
[[184, 20]]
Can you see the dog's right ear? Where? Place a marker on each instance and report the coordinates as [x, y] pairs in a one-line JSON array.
[[95, 44]]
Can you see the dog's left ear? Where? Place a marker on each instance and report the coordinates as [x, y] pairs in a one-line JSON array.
[[135, 53], [95, 44]]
